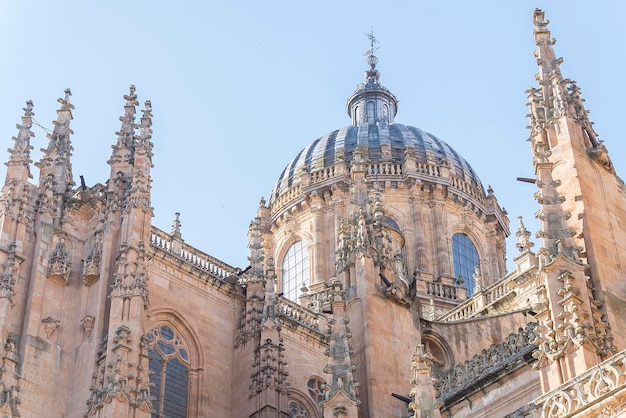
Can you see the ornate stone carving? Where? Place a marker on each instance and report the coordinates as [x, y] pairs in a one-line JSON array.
[[59, 264], [10, 378], [130, 278], [489, 363], [91, 267], [423, 402], [88, 323], [523, 237], [341, 397], [50, 325], [600, 154], [123, 378], [7, 275], [586, 390], [368, 233]]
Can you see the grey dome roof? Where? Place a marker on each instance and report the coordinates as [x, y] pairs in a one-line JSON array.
[[372, 109], [340, 145]]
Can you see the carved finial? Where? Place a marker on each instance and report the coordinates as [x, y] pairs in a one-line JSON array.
[[131, 97], [523, 236], [176, 226], [145, 133], [541, 24], [65, 102], [424, 402], [126, 134], [20, 153], [28, 110]]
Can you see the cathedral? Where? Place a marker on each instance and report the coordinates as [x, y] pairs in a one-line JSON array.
[[377, 282]]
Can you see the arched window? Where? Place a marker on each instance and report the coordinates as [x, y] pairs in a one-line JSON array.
[[169, 364], [295, 270], [296, 409], [370, 112], [465, 258]]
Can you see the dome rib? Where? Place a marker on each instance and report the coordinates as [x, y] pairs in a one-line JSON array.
[[322, 153]]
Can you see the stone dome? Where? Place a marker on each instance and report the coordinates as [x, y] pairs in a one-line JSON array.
[[380, 140], [390, 143]]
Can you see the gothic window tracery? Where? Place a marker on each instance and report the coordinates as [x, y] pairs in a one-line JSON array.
[[297, 410], [295, 270], [315, 385], [465, 258], [169, 364]]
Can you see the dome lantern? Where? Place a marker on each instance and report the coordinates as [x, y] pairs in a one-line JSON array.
[[372, 103]]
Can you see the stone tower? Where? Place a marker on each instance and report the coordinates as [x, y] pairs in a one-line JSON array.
[[583, 240]]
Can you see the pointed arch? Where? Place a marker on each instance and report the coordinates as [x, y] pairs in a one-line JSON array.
[[183, 337], [300, 405]]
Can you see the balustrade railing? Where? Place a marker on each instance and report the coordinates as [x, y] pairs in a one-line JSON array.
[[480, 300], [441, 290], [323, 174], [383, 169], [428, 169], [292, 311], [319, 301], [190, 255], [587, 390]]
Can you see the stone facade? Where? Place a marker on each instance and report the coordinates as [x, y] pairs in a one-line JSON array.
[[377, 283]]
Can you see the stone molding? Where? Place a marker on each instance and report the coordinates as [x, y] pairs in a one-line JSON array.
[[480, 368]]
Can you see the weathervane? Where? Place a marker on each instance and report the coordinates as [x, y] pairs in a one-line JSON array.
[[373, 42]]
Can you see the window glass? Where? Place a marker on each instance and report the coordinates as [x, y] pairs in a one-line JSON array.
[[295, 270], [465, 258], [169, 365]]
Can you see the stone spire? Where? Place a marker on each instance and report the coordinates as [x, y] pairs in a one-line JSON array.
[[176, 226], [126, 134], [56, 157], [341, 398], [139, 194], [15, 198], [20, 153], [122, 155], [55, 168], [559, 97], [573, 334], [424, 404], [523, 237]]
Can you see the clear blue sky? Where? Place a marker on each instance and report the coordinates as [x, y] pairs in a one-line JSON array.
[[238, 88]]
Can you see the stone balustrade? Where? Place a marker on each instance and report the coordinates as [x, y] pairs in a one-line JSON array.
[[467, 188], [384, 169], [497, 291], [319, 301], [319, 176], [190, 255], [441, 290], [289, 195], [590, 389], [432, 170], [480, 300], [291, 311]]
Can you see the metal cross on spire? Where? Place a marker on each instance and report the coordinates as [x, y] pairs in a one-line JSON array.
[[373, 42]]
